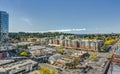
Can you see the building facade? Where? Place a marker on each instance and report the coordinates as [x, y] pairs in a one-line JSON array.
[[94, 45], [4, 21]]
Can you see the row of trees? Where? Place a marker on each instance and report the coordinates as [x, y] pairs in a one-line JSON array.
[[102, 36], [37, 35]]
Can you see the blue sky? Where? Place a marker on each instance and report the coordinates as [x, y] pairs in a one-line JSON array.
[[94, 16]]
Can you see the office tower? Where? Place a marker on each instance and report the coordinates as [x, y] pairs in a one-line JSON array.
[[4, 21]]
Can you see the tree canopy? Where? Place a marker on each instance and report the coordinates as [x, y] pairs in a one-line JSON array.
[[23, 53], [46, 70]]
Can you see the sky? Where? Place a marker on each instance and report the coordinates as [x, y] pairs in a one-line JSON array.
[[74, 16]]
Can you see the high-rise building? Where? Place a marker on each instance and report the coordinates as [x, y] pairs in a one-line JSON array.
[[4, 21]]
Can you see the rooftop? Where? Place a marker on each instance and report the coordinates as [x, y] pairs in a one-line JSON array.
[[17, 65], [5, 61]]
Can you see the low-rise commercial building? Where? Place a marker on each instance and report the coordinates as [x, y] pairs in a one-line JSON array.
[[18, 67]]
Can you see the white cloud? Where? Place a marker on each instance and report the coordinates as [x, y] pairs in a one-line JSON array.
[[62, 30], [68, 30], [26, 20]]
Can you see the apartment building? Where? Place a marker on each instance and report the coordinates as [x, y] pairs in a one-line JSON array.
[[94, 45]]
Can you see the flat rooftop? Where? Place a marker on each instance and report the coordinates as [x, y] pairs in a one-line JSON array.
[[17, 65], [36, 47], [5, 61]]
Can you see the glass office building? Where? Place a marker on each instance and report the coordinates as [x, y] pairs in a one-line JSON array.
[[4, 21]]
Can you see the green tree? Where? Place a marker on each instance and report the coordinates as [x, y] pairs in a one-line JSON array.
[[23, 53], [46, 70], [61, 51], [93, 56]]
